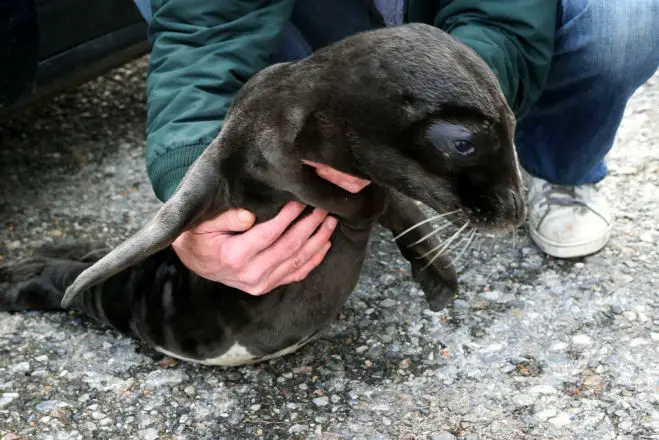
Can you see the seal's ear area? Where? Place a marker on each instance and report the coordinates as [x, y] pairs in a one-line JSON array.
[[199, 196]]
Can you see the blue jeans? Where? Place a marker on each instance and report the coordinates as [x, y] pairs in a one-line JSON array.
[[604, 51]]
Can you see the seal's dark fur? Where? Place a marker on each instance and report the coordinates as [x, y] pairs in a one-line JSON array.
[[392, 106]]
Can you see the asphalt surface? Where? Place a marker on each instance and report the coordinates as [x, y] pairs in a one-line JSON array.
[[534, 348]]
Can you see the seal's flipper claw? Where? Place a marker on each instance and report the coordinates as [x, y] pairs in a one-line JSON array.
[[438, 281]]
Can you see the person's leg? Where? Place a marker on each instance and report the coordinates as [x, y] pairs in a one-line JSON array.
[[605, 50], [317, 23]]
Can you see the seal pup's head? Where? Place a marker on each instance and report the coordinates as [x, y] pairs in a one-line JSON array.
[[419, 112]]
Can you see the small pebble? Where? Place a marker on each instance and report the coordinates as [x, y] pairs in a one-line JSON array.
[[642, 317], [559, 346], [543, 389], [636, 342], [149, 434], [296, 429], [321, 401], [582, 340], [7, 398], [443, 436], [629, 315], [361, 349], [255, 407], [493, 348], [561, 419], [388, 303], [22, 367], [190, 390], [647, 237], [460, 304], [491, 295], [49, 405], [516, 360], [617, 309], [545, 415]]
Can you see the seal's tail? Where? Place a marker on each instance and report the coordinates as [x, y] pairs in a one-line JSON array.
[[39, 282]]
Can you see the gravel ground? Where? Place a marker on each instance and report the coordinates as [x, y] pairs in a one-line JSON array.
[[535, 347]]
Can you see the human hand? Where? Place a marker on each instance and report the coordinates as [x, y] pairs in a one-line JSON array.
[[346, 181], [257, 259]]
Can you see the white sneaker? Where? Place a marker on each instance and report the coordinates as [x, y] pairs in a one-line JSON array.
[[567, 221]]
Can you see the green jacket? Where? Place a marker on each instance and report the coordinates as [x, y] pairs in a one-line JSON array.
[[204, 51]]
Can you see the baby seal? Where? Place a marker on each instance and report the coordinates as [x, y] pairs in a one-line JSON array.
[[409, 108]]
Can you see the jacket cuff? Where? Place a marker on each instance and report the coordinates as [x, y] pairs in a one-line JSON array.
[[167, 170]]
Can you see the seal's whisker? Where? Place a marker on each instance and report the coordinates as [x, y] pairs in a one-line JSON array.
[[442, 246], [427, 236], [457, 244], [423, 222], [470, 237], [450, 240], [480, 245]]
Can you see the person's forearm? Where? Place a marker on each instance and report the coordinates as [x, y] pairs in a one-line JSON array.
[[515, 37], [203, 52]]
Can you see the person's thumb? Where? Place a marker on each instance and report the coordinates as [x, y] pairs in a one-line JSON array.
[[234, 220]]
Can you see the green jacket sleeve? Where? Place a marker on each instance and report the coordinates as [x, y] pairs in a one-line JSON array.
[[514, 37], [198, 63]]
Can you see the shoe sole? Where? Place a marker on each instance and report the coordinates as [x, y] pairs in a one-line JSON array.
[[572, 250]]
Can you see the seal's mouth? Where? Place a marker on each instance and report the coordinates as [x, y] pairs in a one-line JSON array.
[[497, 213]]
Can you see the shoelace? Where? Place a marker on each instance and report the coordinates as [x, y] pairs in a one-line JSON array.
[[562, 195]]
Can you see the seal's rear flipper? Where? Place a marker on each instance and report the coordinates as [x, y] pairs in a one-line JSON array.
[[199, 196], [36, 283]]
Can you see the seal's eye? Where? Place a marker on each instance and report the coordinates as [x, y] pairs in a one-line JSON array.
[[464, 148]]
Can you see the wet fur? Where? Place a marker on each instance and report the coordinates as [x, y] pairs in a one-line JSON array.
[[383, 105]]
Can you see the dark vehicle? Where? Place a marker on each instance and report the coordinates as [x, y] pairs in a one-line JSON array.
[[47, 46]]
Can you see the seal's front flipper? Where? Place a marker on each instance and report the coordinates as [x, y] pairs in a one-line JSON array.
[[438, 280], [200, 196], [310, 189]]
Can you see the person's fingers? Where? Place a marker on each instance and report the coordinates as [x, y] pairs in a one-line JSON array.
[[272, 283], [291, 242], [346, 181], [233, 220], [240, 250], [310, 248], [306, 269]]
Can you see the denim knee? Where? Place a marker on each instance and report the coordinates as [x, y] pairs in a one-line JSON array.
[[616, 40]]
